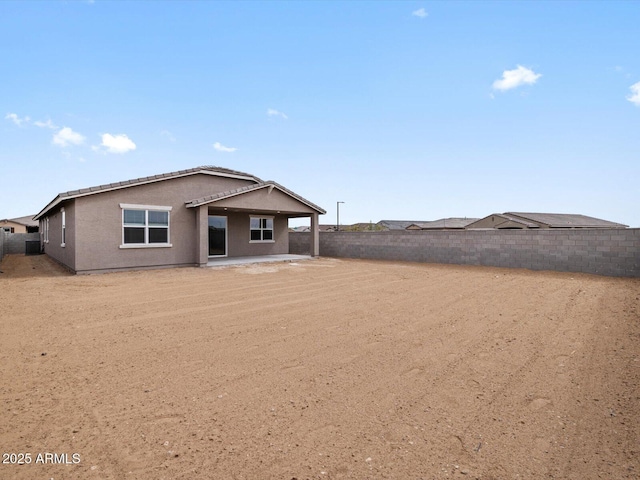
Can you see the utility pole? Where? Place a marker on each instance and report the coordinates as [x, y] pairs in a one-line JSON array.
[[338, 216]]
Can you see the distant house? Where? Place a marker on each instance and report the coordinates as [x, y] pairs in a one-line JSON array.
[[321, 228], [513, 220], [362, 227], [443, 224], [398, 224], [174, 219], [19, 225]]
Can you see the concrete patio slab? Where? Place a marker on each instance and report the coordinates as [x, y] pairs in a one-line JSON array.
[[228, 261]]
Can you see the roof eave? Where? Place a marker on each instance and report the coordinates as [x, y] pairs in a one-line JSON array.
[[144, 181], [53, 203], [268, 184]]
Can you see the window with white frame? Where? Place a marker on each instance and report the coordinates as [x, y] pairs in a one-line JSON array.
[[46, 230], [64, 228], [144, 225], [261, 229]]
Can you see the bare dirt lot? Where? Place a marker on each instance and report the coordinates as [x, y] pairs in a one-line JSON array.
[[325, 369]]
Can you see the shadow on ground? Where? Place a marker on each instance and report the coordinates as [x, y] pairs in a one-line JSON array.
[[30, 266]]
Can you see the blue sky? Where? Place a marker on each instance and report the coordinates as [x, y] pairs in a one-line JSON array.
[[403, 110]]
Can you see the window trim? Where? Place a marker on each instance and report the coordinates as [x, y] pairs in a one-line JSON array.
[[263, 217], [63, 234], [146, 209]]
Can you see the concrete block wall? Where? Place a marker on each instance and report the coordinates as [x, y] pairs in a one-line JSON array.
[[15, 242], [611, 252], [1, 244]]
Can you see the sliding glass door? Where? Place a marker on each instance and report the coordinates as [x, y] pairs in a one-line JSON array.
[[217, 236]]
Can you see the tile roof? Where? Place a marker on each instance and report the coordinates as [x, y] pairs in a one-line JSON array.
[[225, 172], [511, 218], [155, 178], [398, 224], [445, 223], [566, 220], [27, 221], [249, 188]]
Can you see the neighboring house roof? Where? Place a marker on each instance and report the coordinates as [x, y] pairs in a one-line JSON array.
[[207, 169], [504, 221], [542, 220], [362, 227], [398, 224], [566, 220], [250, 188], [443, 223], [27, 221]]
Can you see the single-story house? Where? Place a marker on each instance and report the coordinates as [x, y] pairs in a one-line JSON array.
[[397, 224], [182, 218], [517, 220], [321, 228], [19, 225], [453, 223]]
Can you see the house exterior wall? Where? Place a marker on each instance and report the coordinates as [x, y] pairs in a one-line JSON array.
[[17, 227], [66, 255], [273, 200], [94, 223], [100, 232], [239, 235], [494, 221], [611, 252]]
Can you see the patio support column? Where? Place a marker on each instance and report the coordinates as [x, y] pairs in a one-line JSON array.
[[202, 235], [315, 236]]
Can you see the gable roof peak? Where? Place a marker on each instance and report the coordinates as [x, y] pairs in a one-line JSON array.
[[566, 220], [270, 184], [205, 169]]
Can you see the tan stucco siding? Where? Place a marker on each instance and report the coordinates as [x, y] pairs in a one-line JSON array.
[[239, 236], [487, 222], [66, 255], [495, 221], [100, 231], [265, 200], [17, 227]]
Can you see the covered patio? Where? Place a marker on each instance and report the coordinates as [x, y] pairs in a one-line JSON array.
[[250, 224]]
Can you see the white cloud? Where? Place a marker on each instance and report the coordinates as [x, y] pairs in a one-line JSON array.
[[516, 78], [116, 143], [272, 112], [622, 71], [168, 135], [16, 119], [47, 124], [66, 137], [421, 12], [635, 94], [221, 148]]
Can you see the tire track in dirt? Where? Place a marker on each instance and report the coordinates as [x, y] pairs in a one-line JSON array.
[[346, 371]]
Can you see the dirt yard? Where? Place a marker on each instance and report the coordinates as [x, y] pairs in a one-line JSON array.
[[324, 369]]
